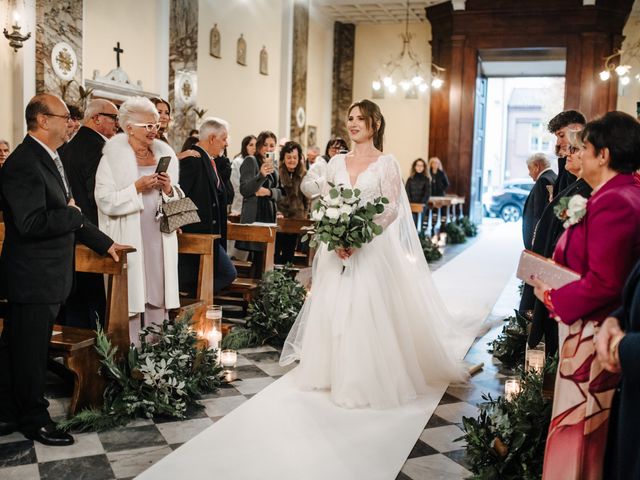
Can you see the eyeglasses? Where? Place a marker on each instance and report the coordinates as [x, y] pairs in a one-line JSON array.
[[67, 117], [149, 127], [573, 149], [112, 116]]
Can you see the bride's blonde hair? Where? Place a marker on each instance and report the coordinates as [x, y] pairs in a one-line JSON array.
[[373, 119]]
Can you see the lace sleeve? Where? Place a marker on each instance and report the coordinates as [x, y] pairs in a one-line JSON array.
[[390, 187]]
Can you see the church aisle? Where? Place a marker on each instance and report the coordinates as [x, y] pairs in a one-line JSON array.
[[306, 432], [126, 452]]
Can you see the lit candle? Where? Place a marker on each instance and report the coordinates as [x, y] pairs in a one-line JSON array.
[[214, 337], [535, 360], [228, 358], [511, 388]]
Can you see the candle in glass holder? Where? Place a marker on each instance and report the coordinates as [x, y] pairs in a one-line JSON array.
[[511, 388], [213, 337], [535, 360], [228, 358]]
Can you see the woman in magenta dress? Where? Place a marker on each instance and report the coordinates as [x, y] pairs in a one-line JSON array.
[[602, 245]]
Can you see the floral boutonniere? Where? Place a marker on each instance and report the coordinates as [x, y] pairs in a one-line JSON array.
[[571, 210]]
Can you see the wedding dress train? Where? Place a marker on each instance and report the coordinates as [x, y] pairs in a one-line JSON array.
[[376, 334]]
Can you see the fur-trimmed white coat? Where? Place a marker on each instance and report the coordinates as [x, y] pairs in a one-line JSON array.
[[119, 207]]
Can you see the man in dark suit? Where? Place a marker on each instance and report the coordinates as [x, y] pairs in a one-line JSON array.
[[42, 222], [540, 195], [80, 157], [202, 183]]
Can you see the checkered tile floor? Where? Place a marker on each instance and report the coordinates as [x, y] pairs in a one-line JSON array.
[[125, 452]]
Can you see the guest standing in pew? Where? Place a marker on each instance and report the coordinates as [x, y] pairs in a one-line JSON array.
[[201, 182], [129, 195], [545, 238], [418, 184], [164, 112], [539, 196], [87, 303], [618, 347], [602, 245], [42, 222], [292, 204], [549, 228], [248, 148], [260, 193], [439, 179]]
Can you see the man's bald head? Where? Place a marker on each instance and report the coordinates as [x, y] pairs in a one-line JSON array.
[[47, 119], [43, 104]]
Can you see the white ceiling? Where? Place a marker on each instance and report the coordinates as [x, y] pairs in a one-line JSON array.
[[374, 11]]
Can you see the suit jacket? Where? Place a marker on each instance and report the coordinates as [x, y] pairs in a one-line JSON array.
[[223, 165], [565, 178], [200, 183], [81, 157], [37, 261], [624, 442], [537, 200]]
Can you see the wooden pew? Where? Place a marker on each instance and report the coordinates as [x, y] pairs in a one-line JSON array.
[[245, 287], [296, 225], [76, 345], [202, 245]]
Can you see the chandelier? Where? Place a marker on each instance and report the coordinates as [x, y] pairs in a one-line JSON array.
[[406, 70]]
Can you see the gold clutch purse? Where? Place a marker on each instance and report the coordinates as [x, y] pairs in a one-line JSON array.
[[544, 269]]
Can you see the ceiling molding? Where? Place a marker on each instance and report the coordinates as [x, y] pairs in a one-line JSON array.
[[375, 12]]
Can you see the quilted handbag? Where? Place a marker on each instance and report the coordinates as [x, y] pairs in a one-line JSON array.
[[178, 213]]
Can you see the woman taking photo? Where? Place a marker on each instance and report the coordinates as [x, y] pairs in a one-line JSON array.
[[247, 149], [602, 245], [129, 194], [259, 190], [293, 203]]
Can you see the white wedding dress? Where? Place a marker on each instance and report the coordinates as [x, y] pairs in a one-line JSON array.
[[377, 333]]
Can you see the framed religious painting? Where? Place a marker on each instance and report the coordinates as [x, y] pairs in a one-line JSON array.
[[214, 42], [241, 51]]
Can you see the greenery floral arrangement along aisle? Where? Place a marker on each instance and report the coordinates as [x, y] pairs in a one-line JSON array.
[[164, 377]]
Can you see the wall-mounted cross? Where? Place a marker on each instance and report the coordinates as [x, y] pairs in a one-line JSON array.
[[118, 51]]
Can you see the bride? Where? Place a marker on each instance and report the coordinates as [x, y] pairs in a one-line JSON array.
[[376, 334]]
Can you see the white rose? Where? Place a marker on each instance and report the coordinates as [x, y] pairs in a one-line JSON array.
[[317, 215], [576, 204], [333, 202], [348, 209], [333, 213]]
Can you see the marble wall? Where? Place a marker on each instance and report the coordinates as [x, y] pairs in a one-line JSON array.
[[344, 36], [299, 69], [59, 21], [183, 63]]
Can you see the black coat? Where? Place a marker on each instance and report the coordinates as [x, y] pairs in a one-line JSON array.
[[624, 442], [199, 182], [224, 171], [535, 204], [418, 188], [565, 178], [80, 158], [37, 261], [545, 237], [439, 183]]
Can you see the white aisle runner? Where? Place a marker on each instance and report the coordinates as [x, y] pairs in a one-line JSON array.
[[285, 434]]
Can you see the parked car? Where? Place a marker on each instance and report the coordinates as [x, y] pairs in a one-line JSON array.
[[508, 202]]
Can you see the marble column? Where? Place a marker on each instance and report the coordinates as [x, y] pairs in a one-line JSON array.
[[183, 57], [59, 21], [299, 68], [344, 36]]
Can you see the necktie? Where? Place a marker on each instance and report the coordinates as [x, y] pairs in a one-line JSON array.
[[60, 168]]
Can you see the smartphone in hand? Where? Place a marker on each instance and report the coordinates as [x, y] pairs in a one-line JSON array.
[[163, 164]]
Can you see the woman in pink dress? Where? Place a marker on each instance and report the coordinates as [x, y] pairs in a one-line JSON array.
[[602, 245]]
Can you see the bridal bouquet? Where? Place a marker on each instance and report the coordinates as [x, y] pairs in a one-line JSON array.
[[343, 220]]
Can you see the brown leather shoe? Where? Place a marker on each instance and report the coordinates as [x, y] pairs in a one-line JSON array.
[[50, 435]]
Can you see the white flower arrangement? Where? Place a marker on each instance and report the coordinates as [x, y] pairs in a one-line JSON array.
[[571, 210], [343, 220]]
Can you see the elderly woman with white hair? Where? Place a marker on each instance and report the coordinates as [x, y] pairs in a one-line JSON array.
[[129, 194]]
